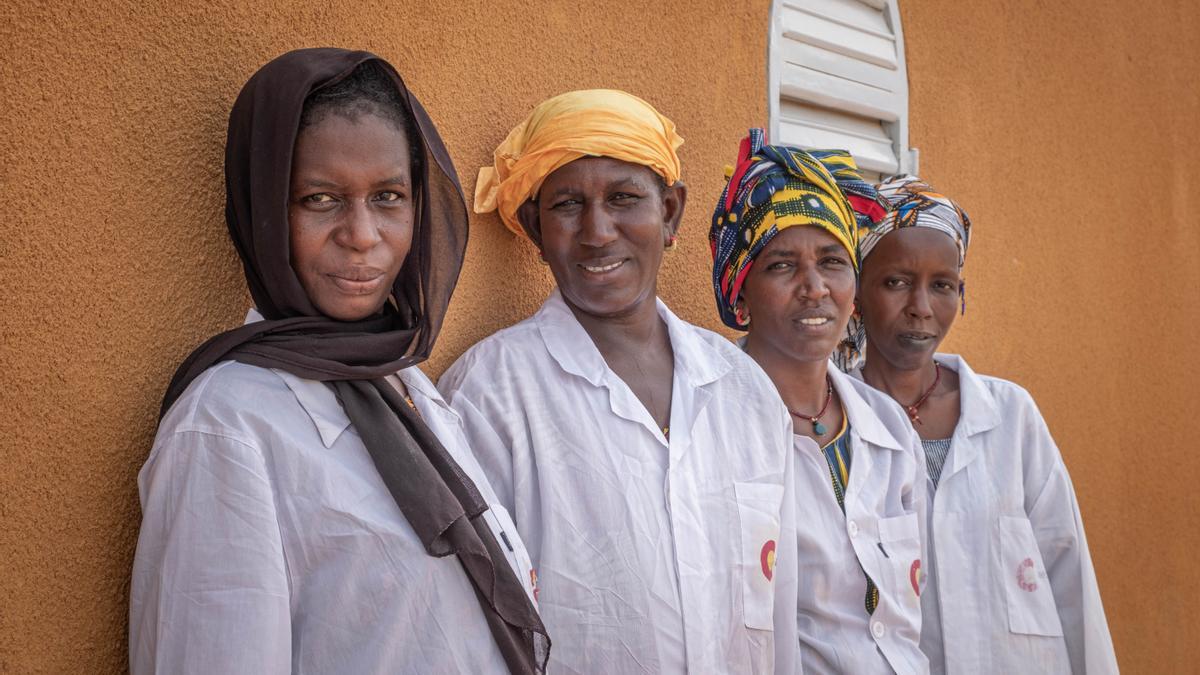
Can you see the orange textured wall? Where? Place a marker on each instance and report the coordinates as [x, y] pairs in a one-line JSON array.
[[1069, 132], [114, 262]]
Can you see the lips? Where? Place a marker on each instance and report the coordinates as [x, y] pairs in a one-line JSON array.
[[602, 266], [814, 320], [358, 280]]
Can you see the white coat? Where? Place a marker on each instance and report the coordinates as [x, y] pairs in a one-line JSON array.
[[269, 543], [882, 533], [653, 555], [1012, 588]]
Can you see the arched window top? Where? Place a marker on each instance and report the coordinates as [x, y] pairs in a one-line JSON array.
[[837, 79]]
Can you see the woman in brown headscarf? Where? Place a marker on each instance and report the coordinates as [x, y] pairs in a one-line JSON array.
[[310, 504]]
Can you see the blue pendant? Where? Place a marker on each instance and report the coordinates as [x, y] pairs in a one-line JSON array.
[[818, 428]]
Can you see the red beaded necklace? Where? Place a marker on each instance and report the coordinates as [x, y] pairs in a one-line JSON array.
[[912, 409], [818, 428]]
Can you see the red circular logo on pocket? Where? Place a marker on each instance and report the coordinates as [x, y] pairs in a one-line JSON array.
[[767, 558], [1027, 575], [914, 576]]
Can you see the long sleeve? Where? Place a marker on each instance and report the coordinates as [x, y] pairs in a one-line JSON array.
[[210, 589], [1054, 514]]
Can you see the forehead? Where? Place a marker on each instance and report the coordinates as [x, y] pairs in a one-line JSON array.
[[588, 172], [913, 245], [363, 140], [801, 238]]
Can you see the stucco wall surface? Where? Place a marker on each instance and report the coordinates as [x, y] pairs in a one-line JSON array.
[[114, 261], [1069, 133]]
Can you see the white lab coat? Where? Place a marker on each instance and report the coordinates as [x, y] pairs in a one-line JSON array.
[[653, 556], [881, 532], [269, 543], [1012, 588]]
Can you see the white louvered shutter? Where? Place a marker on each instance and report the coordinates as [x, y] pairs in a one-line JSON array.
[[838, 80]]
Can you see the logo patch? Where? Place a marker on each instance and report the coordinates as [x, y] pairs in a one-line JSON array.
[[767, 559], [914, 576], [1027, 575]]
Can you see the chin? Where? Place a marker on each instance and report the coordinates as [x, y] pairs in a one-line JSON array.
[[612, 305]]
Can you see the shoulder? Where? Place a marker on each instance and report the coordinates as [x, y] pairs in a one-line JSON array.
[[889, 412], [740, 377], [1008, 396], [517, 346], [226, 400]]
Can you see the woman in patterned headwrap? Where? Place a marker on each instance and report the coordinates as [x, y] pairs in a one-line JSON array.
[[784, 236], [1011, 585], [646, 461]]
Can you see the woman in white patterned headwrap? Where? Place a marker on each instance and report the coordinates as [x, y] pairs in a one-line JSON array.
[[1011, 586]]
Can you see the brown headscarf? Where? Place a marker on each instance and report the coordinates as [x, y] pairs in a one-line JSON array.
[[440, 502]]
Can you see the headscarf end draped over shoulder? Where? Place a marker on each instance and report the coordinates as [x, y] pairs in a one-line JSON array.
[[774, 187], [560, 130]]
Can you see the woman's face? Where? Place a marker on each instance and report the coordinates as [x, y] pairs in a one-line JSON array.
[[350, 212], [909, 295], [799, 294], [603, 225]]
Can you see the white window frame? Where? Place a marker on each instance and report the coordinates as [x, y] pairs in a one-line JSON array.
[[863, 107]]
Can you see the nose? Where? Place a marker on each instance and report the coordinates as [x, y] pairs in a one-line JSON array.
[[597, 228], [359, 229], [810, 284], [918, 303]]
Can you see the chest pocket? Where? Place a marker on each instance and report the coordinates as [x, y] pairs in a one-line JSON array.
[[900, 537], [758, 506], [1031, 608]]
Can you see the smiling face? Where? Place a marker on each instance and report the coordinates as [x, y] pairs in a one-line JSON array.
[[799, 294], [350, 212], [909, 295], [603, 224]]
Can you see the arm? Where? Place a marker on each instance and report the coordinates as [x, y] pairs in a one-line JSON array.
[[1054, 514], [210, 590]]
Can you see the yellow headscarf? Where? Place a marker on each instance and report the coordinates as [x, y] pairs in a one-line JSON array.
[[592, 122]]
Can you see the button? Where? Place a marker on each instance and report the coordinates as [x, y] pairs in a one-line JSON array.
[[877, 630], [853, 527]]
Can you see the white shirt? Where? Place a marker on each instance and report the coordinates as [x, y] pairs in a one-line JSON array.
[[653, 556], [1012, 589], [882, 532], [269, 543]]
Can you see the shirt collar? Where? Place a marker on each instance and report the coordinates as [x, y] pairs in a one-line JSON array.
[[979, 411], [317, 400], [863, 418], [697, 362]]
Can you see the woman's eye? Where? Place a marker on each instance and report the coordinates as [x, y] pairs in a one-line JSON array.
[[835, 261], [565, 204], [390, 196], [319, 198], [895, 283], [778, 266], [624, 197]]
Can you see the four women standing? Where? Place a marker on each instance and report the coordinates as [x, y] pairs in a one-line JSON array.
[[313, 504]]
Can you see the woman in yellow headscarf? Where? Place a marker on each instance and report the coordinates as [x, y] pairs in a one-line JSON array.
[[647, 462], [785, 239]]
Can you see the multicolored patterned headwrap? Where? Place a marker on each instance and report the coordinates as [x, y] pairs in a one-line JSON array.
[[914, 204], [588, 123], [774, 187]]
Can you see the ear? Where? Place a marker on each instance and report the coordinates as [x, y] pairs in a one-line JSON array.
[[674, 199], [528, 217]]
